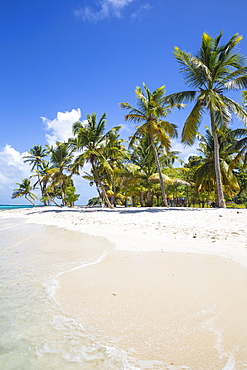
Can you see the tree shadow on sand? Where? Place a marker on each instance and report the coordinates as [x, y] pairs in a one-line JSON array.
[[118, 210]]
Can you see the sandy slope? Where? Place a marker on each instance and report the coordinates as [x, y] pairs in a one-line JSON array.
[[166, 310], [222, 232]]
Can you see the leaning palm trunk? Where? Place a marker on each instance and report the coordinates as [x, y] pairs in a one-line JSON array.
[[30, 200], [43, 191], [53, 201], [101, 186], [98, 190], [164, 200], [220, 201]]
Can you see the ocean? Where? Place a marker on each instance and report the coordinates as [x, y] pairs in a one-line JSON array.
[[15, 206], [35, 333]]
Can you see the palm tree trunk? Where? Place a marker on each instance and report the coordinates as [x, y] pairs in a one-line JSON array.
[[98, 190], [43, 191], [164, 200], [220, 201], [142, 199], [63, 196], [52, 200], [62, 186], [30, 200], [149, 198], [101, 186], [115, 194]]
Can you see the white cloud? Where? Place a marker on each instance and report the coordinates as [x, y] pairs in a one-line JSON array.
[[12, 170], [60, 128], [106, 9]]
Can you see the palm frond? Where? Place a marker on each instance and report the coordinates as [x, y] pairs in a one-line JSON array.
[[192, 123], [236, 108], [155, 178], [189, 68], [235, 79], [180, 97]]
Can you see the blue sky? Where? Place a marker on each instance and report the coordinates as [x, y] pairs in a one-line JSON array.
[[62, 59]]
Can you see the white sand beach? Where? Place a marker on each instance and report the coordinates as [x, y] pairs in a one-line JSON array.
[[171, 289], [221, 232]]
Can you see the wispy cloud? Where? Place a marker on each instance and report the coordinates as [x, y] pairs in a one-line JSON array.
[[103, 9], [185, 151], [140, 11]]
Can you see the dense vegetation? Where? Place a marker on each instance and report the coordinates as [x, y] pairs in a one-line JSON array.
[[142, 171]]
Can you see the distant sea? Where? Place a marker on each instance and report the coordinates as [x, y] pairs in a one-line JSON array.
[[16, 206], [13, 206]]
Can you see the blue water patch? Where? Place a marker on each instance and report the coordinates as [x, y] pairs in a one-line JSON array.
[[15, 206]]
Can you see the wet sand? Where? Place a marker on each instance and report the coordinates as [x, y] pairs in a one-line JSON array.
[[34, 331], [177, 309], [172, 292]]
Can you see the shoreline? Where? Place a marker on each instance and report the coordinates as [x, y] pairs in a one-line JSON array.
[[163, 309], [170, 292], [220, 232]]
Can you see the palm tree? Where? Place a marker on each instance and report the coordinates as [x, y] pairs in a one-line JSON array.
[[142, 154], [139, 176], [239, 146], [212, 71], [151, 108], [116, 155], [134, 182], [137, 173], [204, 176], [89, 138], [45, 180], [61, 159], [36, 157], [25, 189]]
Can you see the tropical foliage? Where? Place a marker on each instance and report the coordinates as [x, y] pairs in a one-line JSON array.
[[25, 189], [150, 112], [54, 175], [146, 171], [213, 71]]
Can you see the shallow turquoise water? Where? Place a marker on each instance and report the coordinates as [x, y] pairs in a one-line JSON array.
[[5, 206], [34, 331]]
